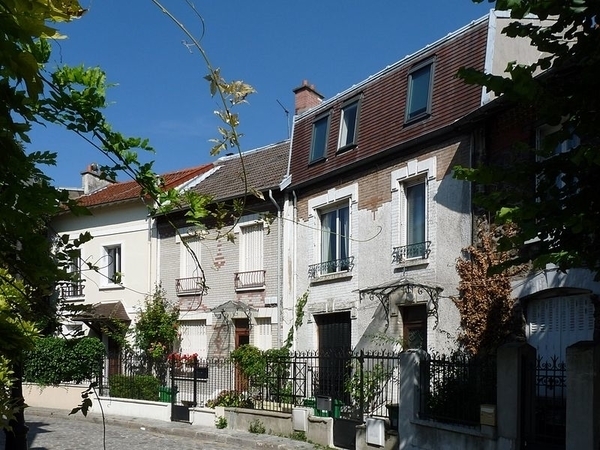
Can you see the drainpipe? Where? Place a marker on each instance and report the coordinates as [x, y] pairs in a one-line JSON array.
[[293, 258], [279, 268]]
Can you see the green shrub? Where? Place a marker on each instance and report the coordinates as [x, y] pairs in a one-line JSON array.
[[221, 422], [257, 427], [231, 399], [57, 360], [140, 387]]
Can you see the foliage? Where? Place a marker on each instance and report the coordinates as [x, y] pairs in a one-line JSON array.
[[300, 304], [367, 383], [140, 387], [251, 362], [257, 427], [8, 408], [231, 399], [561, 218], [56, 360], [181, 360], [221, 422], [298, 436], [484, 299], [157, 330]]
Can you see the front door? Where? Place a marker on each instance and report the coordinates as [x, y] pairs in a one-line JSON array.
[[242, 337]]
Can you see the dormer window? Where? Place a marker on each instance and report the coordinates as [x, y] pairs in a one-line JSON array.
[[319, 139], [418, 95], [348, 125]]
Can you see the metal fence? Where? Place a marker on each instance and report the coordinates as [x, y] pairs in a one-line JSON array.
[[453, 387], [343, 384], [550, 401]]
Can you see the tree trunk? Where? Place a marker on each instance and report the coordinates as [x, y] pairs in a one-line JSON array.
[[16, 439]]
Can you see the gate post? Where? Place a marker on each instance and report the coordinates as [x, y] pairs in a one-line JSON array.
[[515, 393], [583, 395], [409, 396]]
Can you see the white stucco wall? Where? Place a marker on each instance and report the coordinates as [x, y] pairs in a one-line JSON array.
[[127, 225]]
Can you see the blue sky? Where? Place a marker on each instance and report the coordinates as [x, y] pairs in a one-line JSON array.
[[273, 45]]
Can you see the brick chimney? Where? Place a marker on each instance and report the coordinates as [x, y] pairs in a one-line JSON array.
[[92, 180], [306, 97]]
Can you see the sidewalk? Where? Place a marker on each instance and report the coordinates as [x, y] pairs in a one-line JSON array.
[[239, 439]]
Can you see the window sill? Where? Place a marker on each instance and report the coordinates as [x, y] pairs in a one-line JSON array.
[[346, 148], [332, 277], [111, 287], [413, 262], [189, 293], [316, 161], [418, 118], [250, 288]]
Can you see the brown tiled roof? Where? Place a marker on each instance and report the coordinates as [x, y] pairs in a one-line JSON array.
[[265, 167], [130, 190]]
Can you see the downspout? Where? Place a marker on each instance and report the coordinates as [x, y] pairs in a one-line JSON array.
[[293, 269], [279, 268]]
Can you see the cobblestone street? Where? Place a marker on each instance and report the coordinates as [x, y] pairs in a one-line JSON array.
[[55, 430]]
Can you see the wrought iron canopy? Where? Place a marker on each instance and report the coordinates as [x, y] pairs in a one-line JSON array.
[[402, 291], [228, 309]]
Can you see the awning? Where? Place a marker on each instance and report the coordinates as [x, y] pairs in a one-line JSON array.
[[232, 307], [106, 314], [402, 292]]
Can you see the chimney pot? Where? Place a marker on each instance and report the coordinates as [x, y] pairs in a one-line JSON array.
[[306, 97]]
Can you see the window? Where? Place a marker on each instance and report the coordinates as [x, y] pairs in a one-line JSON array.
[[73, 287], [193, 338], [335, 238], [348, 125], [262, 333], [251, 274], [415, 212], [112, 256], [410, 193], [319, 139], [418, 97], [545, 133], [190, 279]]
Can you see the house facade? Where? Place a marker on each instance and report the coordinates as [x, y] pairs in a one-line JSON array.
[[227, 279], [378, 220], [558, 307], [117, 268]]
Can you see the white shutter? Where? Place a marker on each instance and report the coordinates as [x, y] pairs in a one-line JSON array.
[[188, 266], [553, 324], [263, 338], [193, 338], [251, 257]]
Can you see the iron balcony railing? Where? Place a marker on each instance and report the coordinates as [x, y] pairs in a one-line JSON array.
[[253, 279], [71, 289], [411, 251], [328, 267], [190, 285]]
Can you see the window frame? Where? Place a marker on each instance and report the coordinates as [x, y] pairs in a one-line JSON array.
[[109, 274], [411, 115], [415, 171], [340, 239], [326, 119], [347, 145]]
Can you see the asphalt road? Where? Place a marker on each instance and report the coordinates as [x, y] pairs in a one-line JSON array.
[[55, 430]]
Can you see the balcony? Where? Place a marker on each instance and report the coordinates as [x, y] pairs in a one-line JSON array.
[[254, 279], [70, 289], [329, 267], [411, 251], [190, 286]]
